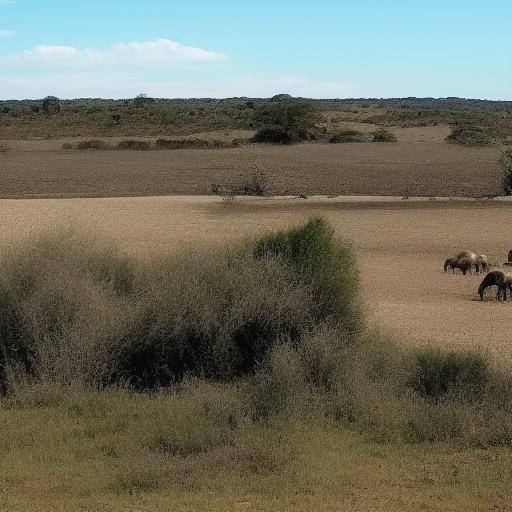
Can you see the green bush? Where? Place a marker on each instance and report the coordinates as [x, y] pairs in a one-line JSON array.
[[470, 136], [437, 373], [327, 265], [384, 136], [272, 135]]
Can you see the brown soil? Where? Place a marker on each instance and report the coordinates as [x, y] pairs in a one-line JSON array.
[[421, 164]]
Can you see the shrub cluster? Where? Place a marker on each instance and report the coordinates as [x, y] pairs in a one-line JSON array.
[[76, 314], [384, 136], [470, 136], [144, 145]]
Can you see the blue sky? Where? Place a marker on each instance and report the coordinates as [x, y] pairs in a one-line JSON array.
[[327, 48]]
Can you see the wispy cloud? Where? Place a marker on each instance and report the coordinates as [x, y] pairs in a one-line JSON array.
[[5, 2], [161, 52], [6, 33]]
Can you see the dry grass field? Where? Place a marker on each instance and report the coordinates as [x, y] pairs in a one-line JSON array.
[[401, 246], [421, 164]]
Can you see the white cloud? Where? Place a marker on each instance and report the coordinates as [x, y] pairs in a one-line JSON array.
[[161, 52], [6, 33], [5, 2]]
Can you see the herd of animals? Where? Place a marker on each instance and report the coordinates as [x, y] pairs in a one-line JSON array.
[[465, 262]]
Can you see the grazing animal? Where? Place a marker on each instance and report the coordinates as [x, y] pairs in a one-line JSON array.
[[463, 264], [450, 263], [496, 278], [476, 260]]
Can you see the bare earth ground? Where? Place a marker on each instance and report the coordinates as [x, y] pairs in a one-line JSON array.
[[401, 246], [421, 164]]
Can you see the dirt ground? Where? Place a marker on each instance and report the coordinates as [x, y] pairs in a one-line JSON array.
[[420, 164], [401, 247]]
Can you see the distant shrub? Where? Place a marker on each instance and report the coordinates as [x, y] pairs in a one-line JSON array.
[[470, 136], [3, 148], [272, 135], [67, 145], [384, 136], [140, 145], [506, 167], [92, 144], [255, 184], [51, 105], [348, 136]]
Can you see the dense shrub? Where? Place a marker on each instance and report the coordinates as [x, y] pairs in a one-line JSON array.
[[470, 136], [313, 253], [71, 312], [384, 136], [348, 136], [438, 373], [272, 135]]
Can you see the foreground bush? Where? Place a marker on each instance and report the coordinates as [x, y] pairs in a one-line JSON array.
[[73, 312]]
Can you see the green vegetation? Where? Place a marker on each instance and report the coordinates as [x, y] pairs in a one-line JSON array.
[[143, 116], [470, 136], [384, 136], [506, 166], [235, 375], [285, 121]]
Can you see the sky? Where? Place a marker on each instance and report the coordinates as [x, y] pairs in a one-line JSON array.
[[221, 48]]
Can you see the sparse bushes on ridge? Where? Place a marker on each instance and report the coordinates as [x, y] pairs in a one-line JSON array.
[[348, 136], [470, 136], [384, 136]]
